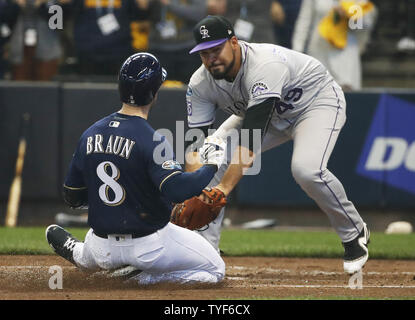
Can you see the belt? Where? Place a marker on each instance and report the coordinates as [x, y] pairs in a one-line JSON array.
[[133, 235]]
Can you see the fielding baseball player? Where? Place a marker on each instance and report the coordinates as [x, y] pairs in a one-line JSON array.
[[288, 96], [129, 193]]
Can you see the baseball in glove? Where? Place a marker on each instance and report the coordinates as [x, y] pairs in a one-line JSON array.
[[199, 211]]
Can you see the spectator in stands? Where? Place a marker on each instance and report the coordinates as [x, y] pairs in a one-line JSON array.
[[140, 27], [407, 42], [326, 26], [34, 47], [171, 35], [102, 34], [8, 16], [283, 16]]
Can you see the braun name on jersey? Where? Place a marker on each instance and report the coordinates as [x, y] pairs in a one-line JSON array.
[[116, 145]]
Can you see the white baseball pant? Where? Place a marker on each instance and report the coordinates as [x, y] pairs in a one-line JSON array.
[[172, 254]]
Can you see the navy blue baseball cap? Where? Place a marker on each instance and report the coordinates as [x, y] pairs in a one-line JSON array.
[[211, 32]]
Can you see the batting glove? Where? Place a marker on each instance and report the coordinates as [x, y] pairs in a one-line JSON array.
[[213, 151]]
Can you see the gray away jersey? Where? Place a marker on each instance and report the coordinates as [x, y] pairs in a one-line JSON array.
[[267, 70]]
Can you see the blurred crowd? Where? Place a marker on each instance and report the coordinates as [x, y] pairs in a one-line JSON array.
[[95, 36]]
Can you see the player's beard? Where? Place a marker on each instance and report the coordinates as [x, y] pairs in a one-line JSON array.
[[218, 75]]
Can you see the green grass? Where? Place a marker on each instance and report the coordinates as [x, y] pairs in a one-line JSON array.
[[23, 240], [311, 244]]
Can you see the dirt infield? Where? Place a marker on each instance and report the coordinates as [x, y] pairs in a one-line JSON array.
[[27, 277]]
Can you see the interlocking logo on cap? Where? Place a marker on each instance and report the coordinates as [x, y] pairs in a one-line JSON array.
[[204, 32]]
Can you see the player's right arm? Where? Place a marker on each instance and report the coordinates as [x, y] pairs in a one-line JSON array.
[[256, 117], [185, 185], [173, 183], [261, 105], [200, 115], [192, 162], [234, 122]]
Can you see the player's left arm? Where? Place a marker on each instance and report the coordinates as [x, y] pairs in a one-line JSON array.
[[75, 191], [75, 197]]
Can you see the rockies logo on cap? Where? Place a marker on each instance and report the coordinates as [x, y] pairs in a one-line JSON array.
[[204, 32], [211, 31]]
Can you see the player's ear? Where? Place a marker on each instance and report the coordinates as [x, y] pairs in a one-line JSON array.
[[234, 42]]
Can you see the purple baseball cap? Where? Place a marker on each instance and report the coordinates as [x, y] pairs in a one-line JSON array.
[[211, 32]]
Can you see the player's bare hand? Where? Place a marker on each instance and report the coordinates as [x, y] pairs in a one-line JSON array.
[[222, 189]]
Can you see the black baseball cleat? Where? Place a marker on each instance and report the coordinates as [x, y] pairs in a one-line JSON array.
[[125, 273], [61, 241], [356, 252]]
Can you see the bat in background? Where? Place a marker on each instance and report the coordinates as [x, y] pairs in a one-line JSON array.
[[16, 187]]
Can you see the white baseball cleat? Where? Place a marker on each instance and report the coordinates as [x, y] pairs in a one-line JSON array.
[[356, 252]]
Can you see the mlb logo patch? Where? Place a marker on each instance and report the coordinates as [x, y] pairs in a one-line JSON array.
[[388, 155], [114, 124]]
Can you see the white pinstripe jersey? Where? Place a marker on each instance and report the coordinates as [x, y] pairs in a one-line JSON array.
[[266, 71]]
